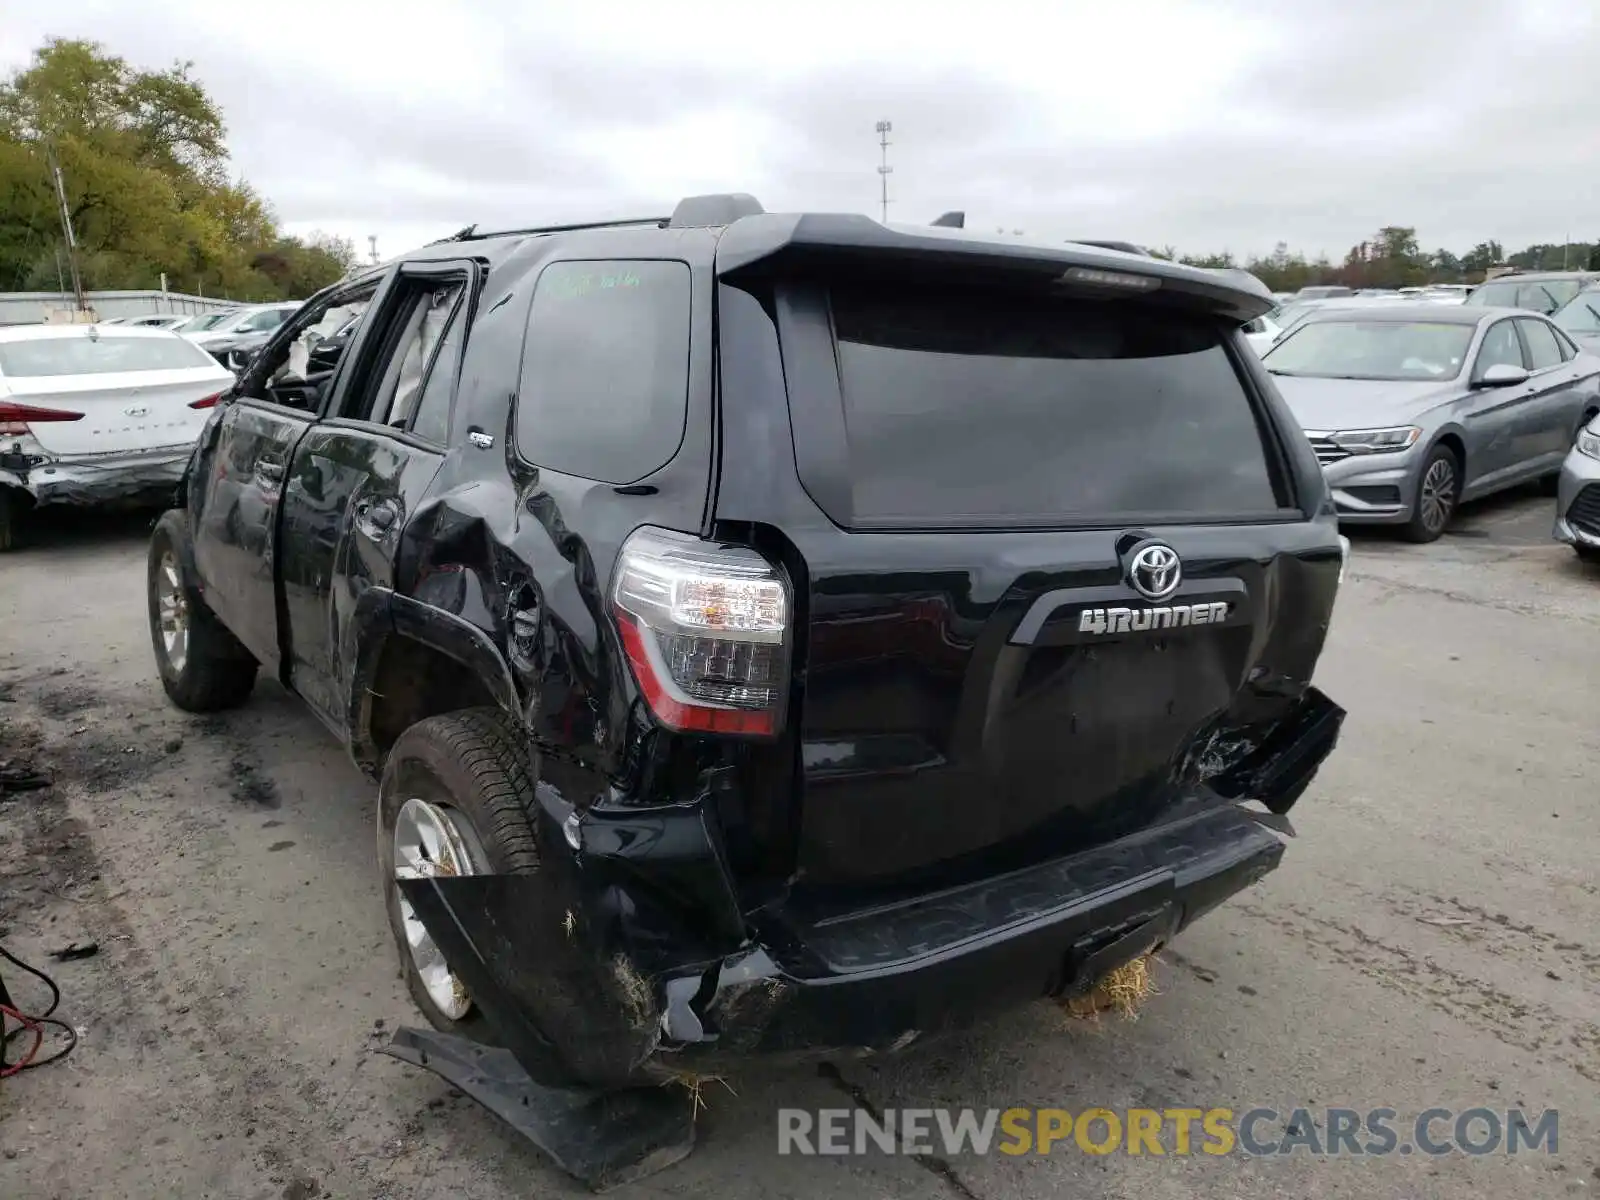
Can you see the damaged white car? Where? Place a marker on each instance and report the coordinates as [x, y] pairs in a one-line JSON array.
[[94, 415]]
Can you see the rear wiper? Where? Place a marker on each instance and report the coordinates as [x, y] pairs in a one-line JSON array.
[[1276, 371]]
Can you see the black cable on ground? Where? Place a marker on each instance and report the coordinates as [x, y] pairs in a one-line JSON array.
[[28, 1023]]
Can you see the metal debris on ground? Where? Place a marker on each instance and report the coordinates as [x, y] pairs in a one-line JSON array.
[[74, 950]]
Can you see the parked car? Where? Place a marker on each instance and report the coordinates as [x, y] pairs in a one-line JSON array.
[[576, 555], [158, 321], [1413, 408], [237, 323], [1263, 331], [1323, 291], [1579, 318], [1290, 316], [1537, 291], [201, 322], [95, 415], [1578, 495], [148, 321]]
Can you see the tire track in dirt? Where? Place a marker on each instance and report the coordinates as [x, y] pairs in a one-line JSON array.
[[142, 998], [1529, 1026]]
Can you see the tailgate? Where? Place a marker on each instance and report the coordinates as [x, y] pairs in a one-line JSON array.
[[1056, 568], [1026, 699]]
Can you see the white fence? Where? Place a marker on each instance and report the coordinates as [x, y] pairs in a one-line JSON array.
[[32, 308]]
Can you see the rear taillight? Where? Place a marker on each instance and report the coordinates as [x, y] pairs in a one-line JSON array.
[[15, 418], [706, 630], [208, 402]]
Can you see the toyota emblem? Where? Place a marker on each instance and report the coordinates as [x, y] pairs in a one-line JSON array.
[[1154, 570]]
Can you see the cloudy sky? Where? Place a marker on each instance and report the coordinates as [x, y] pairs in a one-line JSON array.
[[1204, 124]]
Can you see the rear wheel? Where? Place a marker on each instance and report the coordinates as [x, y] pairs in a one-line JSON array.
[[203, 667], [454, 800], [1438, 490]]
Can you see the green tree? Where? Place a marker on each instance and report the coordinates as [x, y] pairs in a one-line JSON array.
[[1482, 256], [144, 161]]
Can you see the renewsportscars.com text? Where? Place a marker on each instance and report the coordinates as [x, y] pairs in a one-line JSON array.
[[1179, 1132]]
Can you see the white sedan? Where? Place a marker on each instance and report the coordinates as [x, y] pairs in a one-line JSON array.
[[93, 414]]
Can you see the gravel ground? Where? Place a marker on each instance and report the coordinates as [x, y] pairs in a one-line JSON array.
[[1432, 939]]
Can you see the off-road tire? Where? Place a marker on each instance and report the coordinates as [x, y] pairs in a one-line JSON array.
[[12, 507], [1419, 528], [217, 672], [476, 763]]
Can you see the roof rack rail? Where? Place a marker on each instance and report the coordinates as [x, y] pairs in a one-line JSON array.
[[951, 220], [723, 208], [472, 233]]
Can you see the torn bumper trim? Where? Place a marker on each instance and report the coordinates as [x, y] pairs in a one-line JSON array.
[[884, 982], [97, 479], [592, 973]]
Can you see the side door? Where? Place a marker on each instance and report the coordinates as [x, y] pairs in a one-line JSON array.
[[1555, 405], [235, 488], [1492, 413], [358, 475]]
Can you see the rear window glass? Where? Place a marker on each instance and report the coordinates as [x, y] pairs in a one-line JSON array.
[[973, 408], [99, 356], [1545, 295], [605, 369]]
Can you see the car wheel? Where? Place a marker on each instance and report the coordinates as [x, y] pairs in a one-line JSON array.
[[1589, 555], [1438, 489], [11, 510], [454, 799], [202, 665], [457, 797]]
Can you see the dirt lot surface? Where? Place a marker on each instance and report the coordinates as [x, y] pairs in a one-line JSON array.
[[1433, 937]]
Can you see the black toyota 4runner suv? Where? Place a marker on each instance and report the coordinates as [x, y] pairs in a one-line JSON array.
[[771, 634]]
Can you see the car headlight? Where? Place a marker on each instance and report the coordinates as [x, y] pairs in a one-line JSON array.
[[1589, 442], [1376, 441]]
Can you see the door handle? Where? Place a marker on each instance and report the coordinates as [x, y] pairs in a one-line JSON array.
[[376, 517]]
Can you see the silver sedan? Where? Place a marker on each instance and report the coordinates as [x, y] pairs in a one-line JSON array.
[[1578, 496], [1414, 408]]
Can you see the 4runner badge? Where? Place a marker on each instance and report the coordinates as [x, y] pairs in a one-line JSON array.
[[1137, 620]]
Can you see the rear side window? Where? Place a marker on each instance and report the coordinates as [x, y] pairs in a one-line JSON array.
[[1543, 349], [605, 369], [99, 356], [964, 408]]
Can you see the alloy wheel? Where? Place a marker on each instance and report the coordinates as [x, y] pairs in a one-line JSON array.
[[434, 840], [1438, 496], [172, 608]]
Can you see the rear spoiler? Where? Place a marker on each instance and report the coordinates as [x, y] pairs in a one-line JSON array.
[[822, 243]]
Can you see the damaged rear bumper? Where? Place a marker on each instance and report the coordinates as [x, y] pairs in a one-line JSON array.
[[639, 932], [94, 479]]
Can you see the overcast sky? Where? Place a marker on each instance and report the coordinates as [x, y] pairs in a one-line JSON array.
[[1203, 124]]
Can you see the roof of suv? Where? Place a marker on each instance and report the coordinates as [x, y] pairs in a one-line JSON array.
[[738, 235]]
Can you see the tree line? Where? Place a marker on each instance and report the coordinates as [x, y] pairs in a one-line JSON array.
[[144, 165], [1393, 258]]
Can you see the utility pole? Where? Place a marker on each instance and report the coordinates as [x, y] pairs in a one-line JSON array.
[[372, 245], [884, 169], [66, 227]]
